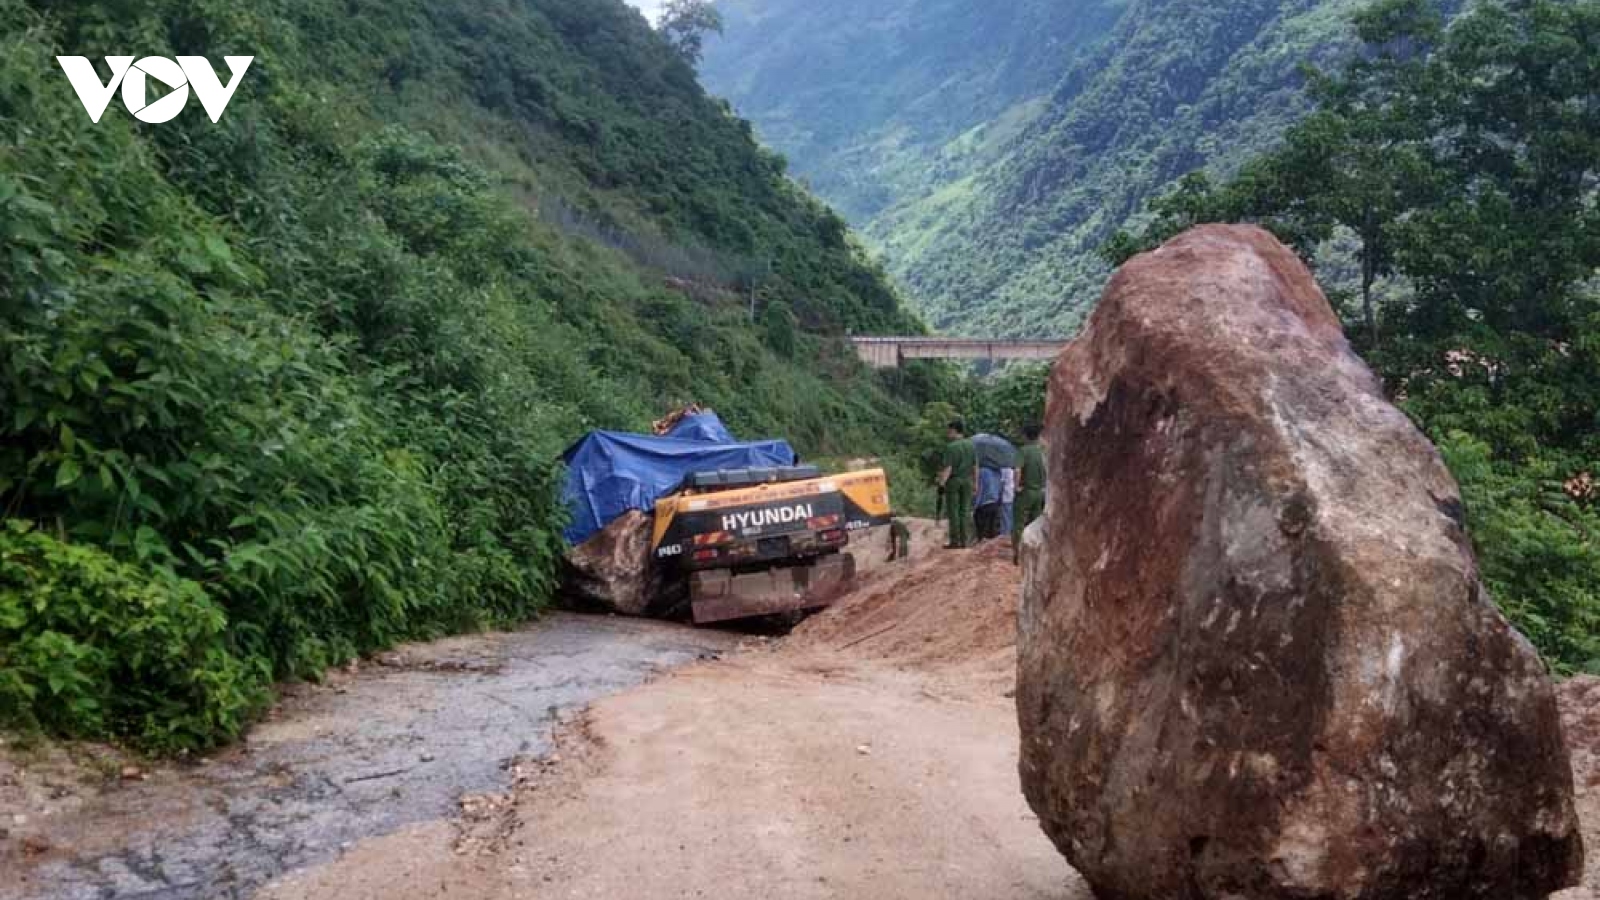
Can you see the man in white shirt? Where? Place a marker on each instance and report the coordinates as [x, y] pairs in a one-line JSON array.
[[1008, 498]]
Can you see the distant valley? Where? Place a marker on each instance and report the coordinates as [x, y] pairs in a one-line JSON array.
[[987, 150]]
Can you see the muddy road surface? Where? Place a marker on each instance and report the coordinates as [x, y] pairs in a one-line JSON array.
[[401, 741], [872, 753], [769, 775]]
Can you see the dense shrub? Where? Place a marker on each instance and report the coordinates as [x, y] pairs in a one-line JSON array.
[[1537, 544], [93, 646]]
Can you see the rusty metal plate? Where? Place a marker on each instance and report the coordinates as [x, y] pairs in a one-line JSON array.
[[721, 596]]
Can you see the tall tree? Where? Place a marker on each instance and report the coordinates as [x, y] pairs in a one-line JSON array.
[[1466, 160], [1360, 162], [685, 24]]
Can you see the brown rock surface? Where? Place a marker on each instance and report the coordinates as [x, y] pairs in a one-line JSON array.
[[611, 571], [1255, 658], [1580, 715]]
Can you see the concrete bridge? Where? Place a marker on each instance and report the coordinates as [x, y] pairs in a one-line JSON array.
[[891, 352]]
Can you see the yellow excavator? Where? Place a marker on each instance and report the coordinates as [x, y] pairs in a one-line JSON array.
[[763, 542]]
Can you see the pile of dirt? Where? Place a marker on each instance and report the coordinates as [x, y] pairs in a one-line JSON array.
[[947, 612], [871, 547]]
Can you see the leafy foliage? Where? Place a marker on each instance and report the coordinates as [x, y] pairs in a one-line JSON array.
[[1007, 402], [300, 378], [90, 646], [1002, 403], [1464, 160], [1541, 550], [685, 24]]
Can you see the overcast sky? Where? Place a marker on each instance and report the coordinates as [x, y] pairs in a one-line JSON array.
[[649, 7]]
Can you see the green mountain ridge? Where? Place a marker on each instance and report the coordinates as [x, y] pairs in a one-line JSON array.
[[874, 102], [1001, 235], [290, 387]]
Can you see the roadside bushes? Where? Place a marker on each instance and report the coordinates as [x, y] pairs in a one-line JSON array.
[[91, 646], [232, 490]]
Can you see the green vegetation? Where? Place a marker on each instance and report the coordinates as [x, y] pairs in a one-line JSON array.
[[283, 389], [99, 646], [879, 102], [989, 149], [1459, 164], [1005, 402], [685, 24], [1001, 403], [1177, 86]]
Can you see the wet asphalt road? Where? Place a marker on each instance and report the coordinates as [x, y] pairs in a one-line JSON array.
[[394, 745]]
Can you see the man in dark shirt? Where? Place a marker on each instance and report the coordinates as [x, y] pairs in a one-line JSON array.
[[957, 477], [1030, 488]]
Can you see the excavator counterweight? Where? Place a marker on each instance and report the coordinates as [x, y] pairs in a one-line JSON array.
[[759, 542]]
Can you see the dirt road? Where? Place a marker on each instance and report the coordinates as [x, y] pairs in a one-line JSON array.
[[871, 754], [764, 777]]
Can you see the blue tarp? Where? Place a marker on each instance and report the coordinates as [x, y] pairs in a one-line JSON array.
[[611, 472], [994, 452], [702, 427]]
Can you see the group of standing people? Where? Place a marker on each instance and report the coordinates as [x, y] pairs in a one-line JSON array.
[[990, 488]]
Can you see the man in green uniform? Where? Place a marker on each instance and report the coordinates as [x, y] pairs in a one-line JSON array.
[[1030, 488], [957, 477]]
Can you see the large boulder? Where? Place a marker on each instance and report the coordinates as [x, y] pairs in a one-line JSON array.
[[611, 571], [1255, 657]]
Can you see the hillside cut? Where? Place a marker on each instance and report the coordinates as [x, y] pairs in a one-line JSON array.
[[1255, 656]]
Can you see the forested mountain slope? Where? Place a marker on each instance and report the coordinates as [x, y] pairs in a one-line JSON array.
[[1004, 241], [872, 100], [287, 387]]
